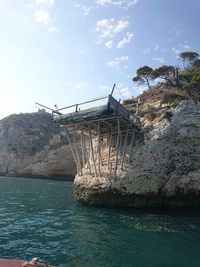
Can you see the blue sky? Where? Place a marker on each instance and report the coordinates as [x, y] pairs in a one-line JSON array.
[[66, 51]]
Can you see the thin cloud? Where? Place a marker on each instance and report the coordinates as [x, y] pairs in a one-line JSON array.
[[84, 9], [107, 29], [147, 51], [120, 3], [41, 13], [159, 59], [42, 17], [109, 44], [79, 85], [117, 62], [103, 87], [45, 2], [125, 40], [181, 48], [53, 29], [123, 91]]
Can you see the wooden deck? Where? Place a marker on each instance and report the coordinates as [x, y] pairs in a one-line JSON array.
[[102, 137], [107, 116]]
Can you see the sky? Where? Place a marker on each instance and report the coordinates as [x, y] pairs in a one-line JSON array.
[[67, 51]]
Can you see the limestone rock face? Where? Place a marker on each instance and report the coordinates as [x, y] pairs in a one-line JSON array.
[[31, 145], [165, 167]]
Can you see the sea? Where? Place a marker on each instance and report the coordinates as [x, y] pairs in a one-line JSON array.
[[41, 218]]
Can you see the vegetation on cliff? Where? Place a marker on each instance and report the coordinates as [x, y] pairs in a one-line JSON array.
[[171, 84], [164, 169]]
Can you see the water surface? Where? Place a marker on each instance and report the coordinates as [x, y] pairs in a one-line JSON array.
[[41, 218]]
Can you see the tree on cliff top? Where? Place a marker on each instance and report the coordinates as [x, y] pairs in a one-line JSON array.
[[166, 73], [189, 57], [143, 75]]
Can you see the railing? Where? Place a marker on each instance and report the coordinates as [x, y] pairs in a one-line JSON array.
[[57, 112], [77, 106]]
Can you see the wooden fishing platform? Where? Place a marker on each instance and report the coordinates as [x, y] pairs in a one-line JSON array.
[[106, 115], [102, 137]]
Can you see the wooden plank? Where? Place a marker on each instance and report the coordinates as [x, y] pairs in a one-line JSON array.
[[118, 108], [110, 118]]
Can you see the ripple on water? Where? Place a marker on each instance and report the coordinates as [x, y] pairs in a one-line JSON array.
[[41, 218]]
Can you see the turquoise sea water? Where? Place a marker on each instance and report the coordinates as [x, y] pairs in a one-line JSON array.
[[41, 218]]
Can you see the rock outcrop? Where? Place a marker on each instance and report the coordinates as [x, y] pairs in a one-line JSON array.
[[31, 145], [165, 167]]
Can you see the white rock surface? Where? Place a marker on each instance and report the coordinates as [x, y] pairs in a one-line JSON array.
[[165, 170], [31, 145]]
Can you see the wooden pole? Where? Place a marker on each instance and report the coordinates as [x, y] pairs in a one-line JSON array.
[[92, 150], [87, 155], [124, 148], [113, 89], [99, 148], [137, 107], [82, 148], [77, 154], [117, 147], [131, 144], [109, 147], [120, 145], [110, 169], [72, 150]]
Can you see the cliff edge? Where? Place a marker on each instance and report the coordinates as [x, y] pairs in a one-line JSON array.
[[32, 146], [165, 167]]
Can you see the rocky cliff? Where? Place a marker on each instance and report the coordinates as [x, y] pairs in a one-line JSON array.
[[31, 145], [165, 167]]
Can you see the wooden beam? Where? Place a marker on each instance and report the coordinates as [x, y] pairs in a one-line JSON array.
[[86, 102], [124, 148], [117, 148], [137, 108], [109, 146], [110, 169], [87, 153], [120, 144], [94, 120], [131, 144], [99, 149], [82, 149], [53, 110], [72, 150], [92, 151], [77, 153], [113, 89]]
